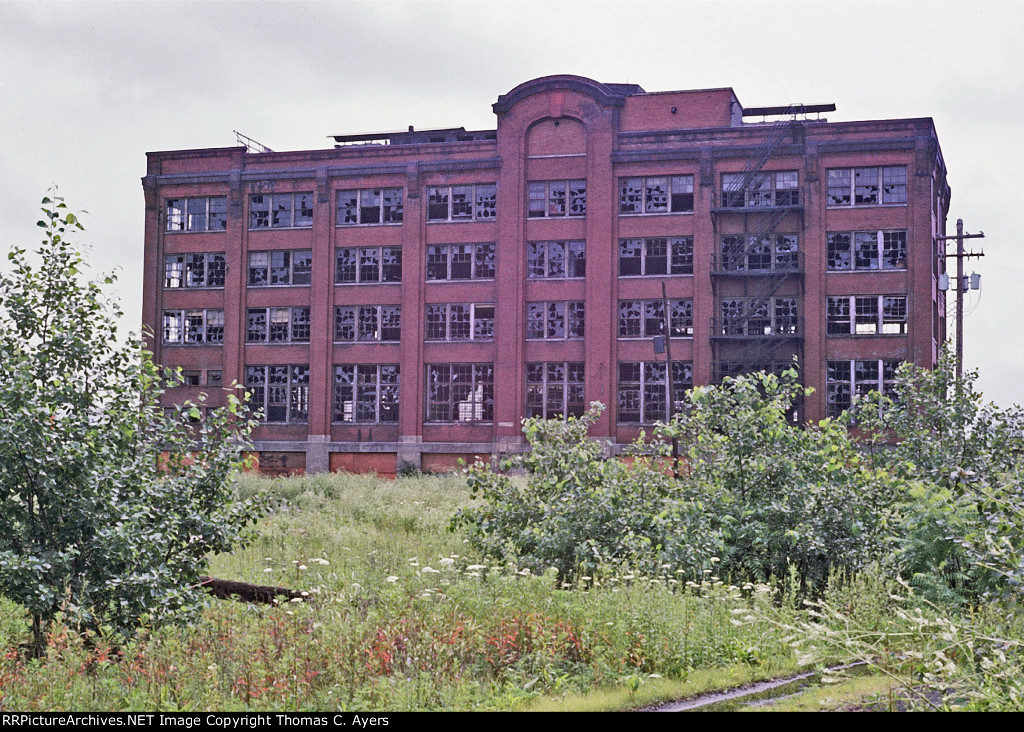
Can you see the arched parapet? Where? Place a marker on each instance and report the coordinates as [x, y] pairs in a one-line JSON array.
[[603, 94]]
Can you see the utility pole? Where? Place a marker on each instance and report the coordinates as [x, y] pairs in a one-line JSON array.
[[960, 255], [668, 378]]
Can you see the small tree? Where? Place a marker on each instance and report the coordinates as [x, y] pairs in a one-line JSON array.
[[961, 458], [782, 494], [109, 507]]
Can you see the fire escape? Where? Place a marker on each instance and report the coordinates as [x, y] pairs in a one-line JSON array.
[[757, 270]]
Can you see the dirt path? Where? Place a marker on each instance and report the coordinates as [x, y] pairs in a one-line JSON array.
[[751, 693]]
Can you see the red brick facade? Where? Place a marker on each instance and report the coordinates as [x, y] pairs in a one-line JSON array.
[[407, 298]]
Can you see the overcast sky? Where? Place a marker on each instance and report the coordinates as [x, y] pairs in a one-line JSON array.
[[86, 89]]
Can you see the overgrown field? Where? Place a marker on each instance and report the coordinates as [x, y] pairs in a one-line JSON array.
[[400, 617], [403, 616]]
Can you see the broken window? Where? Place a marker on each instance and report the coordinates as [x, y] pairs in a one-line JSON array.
[[554, 320], [658, 195], [786, 320], [366, 393], [460, 322], [758, 316], [354, 265], [462, 202], [174, 271], [867, 315], [345, 323], [849, 380], [758, 190], [656, 256], [837, 317], [460, 392], [193, 327], [194, 270], [190, 378], [280, 210], [486, 203], [369, 206], [870, 186], [460, 262], [646, 318], [277, 325], [281, 393], [839, 251], [555, 259], [390, 322], [643, 390], [556, 199], [204, 213], [382, 323], [214, 377], [838, 192], [894, 250], [280, 268], [865, 186], [867, 250], [748, 252], [894, 315], [894, 185], [630, 318], [554, 390]]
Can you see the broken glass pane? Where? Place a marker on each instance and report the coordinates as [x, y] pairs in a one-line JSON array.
[[345, 324], [282, 210]]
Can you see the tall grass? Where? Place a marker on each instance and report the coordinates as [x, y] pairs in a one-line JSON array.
[[399, 616]]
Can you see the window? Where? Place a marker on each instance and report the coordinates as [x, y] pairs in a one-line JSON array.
[[643, 390], [867, 250], [190, 378], [867, 315], [280, 268], [366, 393], [554, 390], [759, 316], [277, 325], [468, 322], [555, 199], [554, 320], [214, 377], [556, 259], [846, 380], [646, 318], [194, 327], [280, 210], [378, 323], [193, 270], [205, 213], [370, 206], [756, 190], [280, 392], [460, 262], [460, 392], [462, 203], [751, 253], [867, 186], [368, 264], [661, 195], [661, 256]]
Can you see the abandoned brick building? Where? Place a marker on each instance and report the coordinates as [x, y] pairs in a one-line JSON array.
[[409, 297]]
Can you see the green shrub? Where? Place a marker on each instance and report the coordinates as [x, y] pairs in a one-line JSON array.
[[757, 492]]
